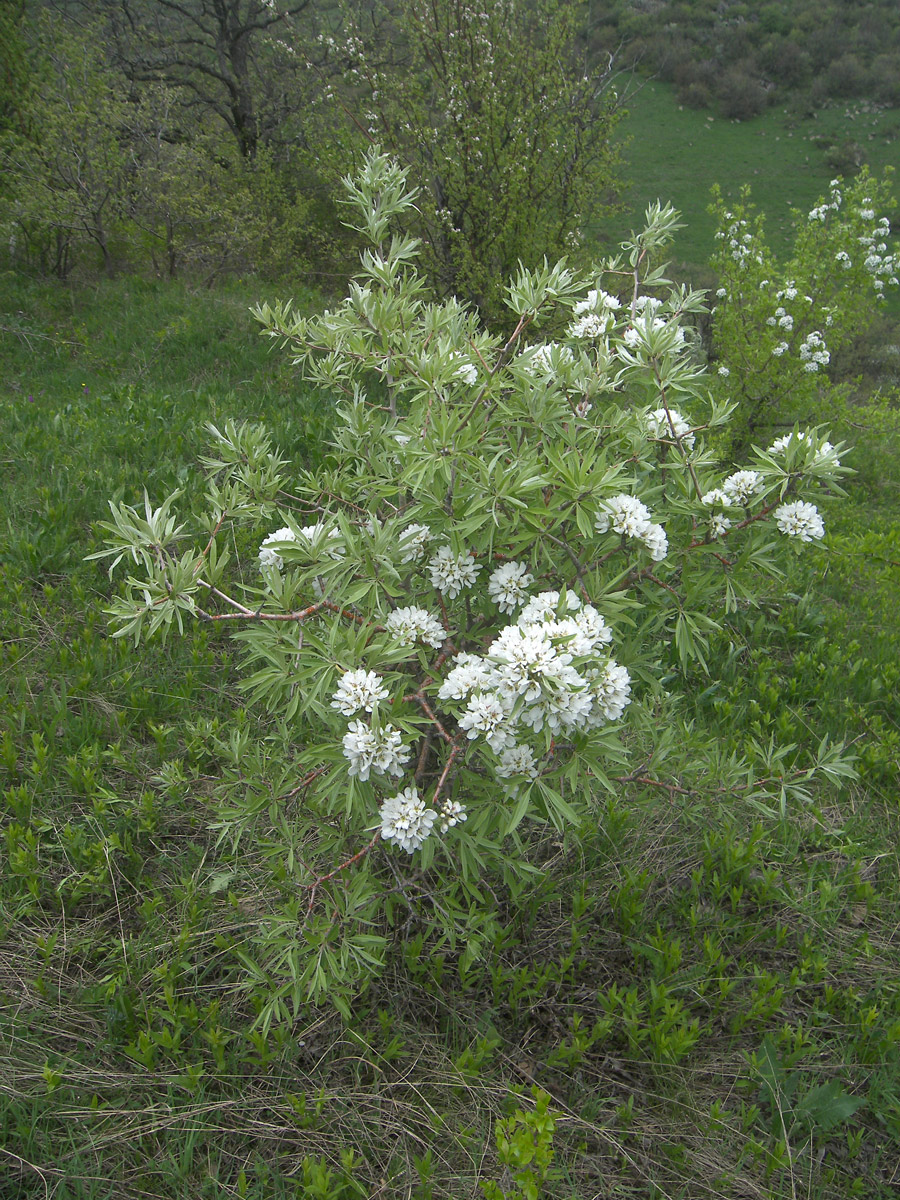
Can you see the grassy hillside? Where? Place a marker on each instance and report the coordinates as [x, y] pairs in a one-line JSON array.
[[707, 993], [677, 153]]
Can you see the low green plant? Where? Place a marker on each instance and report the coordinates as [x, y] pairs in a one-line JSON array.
[[525, 1148]]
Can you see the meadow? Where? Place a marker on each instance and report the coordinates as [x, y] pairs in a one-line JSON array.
[[707, 991]]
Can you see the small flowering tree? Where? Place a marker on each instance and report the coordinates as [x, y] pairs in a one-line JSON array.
[[776, 326], [459, 624]]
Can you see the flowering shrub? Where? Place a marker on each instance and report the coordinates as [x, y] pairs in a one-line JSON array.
[[777, 326], [460, 623]]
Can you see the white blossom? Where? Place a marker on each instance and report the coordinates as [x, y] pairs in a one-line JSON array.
[[406, 820], [610, 690], [716, 496], [630, 517], [742, 486], [412, 542], [800, 520], [452, 813], [507, 584], [660, 424], [823, 453], [410, 625], [719, 525], [517, 760], [469, 673], [379, 750], [359, 689], [623, 514], [450, 572], [596, 301], [590, 327], [466, 371], [268, 557], [485, 714], [545, 606]]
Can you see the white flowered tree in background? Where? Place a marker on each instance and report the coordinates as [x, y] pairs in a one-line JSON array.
[[461, 623], [777, 326]]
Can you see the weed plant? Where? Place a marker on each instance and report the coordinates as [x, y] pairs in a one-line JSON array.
[[705, 989]]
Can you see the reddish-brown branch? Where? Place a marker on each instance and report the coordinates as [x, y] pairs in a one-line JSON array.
[[444, 774], [303, 784]]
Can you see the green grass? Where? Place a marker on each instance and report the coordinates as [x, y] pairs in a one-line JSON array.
[[707, 992], [676, 153]]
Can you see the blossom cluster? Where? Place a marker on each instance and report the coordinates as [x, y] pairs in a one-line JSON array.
[[813, 351], [550, 670], [313, 536], [739, 239], [666, 423], [630, 517]]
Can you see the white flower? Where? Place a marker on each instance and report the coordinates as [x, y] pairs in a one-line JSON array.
[[623, 514], [591, 326], [656, 542], [661, 424], [582, 408], [450, 572], [538, 360], [466, 371], [742, 486], [269, 557], [452, 813], [630, 517], [595, 301], [545, 606], [486, 713], [406, 820], [517, 760], [584, 632], [813, 352], [825, 451], [724, 372], [610, 689], [719, 525], [410, 625], [716, 496], [801, 520], [506, 586], [521, 657], [358, 689], [469, 673], [412, 542], [379, 750]]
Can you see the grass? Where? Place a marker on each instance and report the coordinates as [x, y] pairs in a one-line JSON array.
[[677, 153], [708, 993]]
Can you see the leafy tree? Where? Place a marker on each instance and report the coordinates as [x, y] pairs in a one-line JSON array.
[[221, 55], [505, 125], [71, 169], [16, 65]]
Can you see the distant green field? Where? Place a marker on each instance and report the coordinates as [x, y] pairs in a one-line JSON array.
[[677, 153]]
